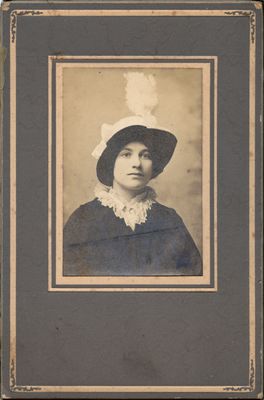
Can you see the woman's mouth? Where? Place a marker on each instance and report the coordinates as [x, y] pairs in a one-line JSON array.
[[139, 174]]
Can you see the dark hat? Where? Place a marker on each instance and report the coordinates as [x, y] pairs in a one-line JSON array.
[[160, 143]]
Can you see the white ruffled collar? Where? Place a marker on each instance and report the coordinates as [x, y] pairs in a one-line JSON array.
[[132, 212]]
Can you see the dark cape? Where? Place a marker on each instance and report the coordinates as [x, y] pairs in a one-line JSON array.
[[96, 242]]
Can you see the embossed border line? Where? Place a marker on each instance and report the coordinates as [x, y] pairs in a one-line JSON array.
[[145, 62], [250, 385]]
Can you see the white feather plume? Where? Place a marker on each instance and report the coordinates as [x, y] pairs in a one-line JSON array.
[[141, 99], [141, 95]]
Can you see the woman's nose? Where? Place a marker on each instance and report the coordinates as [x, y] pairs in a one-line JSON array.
[[136, 161]]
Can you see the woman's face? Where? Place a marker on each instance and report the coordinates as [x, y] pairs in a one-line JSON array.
[[133, 166]]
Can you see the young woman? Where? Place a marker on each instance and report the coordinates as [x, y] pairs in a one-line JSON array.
[[124, 230]]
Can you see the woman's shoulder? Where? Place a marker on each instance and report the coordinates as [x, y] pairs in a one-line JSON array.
[[89, 207], [83, 221], [166, 211], [164, 217], [87, 211]]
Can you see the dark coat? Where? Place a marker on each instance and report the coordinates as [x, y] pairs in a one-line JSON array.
[[96, 242]]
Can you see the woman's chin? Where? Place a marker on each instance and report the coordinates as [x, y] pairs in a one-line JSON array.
[[135, 186]]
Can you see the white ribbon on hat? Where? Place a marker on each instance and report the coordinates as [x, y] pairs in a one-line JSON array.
[[108, 131]]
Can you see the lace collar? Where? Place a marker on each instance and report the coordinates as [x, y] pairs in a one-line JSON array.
[[132, 212]]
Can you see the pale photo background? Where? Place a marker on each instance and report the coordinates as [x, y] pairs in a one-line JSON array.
[[93, 96]]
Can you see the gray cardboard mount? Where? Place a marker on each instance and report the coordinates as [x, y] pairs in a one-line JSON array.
[[132, 344]]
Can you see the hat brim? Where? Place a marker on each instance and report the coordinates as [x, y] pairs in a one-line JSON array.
[[160, 142]]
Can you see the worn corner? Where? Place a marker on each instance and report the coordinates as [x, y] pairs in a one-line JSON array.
[[3, 395], [5, 6], [258, 5]]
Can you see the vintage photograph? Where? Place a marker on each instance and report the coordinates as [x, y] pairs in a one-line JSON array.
[[131, 202], [132, 171]]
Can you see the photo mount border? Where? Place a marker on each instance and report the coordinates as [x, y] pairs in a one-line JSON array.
[[206, 282], [250, 386]]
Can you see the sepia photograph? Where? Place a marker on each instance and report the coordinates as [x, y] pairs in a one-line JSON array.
[[131, 199], [132, 171]]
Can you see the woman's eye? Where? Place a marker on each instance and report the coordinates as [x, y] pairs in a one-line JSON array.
[[146, 156], [125, 155]]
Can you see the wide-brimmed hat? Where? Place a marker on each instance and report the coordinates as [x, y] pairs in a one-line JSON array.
[[160, 142]]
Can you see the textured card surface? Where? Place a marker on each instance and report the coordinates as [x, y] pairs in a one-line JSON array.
[[132, 199]]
